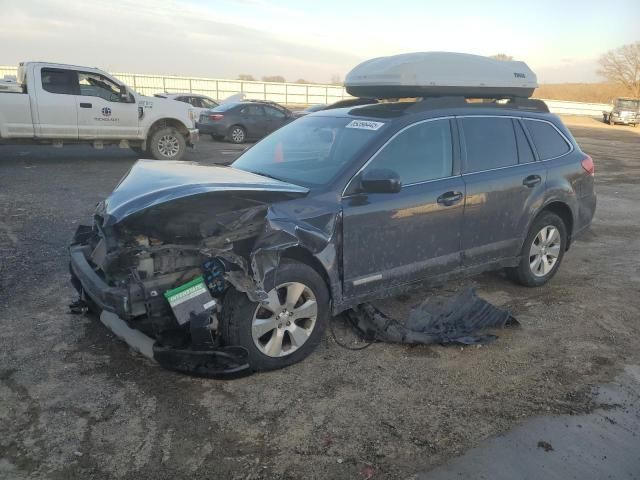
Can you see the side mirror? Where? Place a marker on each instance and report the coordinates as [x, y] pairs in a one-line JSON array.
[[380, 180], [124, 95]]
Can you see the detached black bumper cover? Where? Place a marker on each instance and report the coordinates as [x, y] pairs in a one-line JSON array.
[[110, 304]]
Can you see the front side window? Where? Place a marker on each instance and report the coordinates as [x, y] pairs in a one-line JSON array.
[[420, 153], [96, 85], [490, 143], [312, 151], [548, 142], [55, 80]]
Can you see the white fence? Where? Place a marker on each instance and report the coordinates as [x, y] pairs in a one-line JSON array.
[[285, 93]]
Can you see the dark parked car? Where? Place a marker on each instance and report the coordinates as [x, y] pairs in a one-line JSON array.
[[337, 208], [241, 121]]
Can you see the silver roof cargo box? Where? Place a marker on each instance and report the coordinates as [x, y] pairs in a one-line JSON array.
[[437, 74]]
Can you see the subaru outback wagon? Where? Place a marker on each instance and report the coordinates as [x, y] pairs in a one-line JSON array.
[[335, 209]]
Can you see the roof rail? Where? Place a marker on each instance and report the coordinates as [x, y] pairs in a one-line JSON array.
[[514, 103]]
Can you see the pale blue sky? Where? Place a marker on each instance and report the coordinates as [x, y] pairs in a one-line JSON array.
[[560, 40]]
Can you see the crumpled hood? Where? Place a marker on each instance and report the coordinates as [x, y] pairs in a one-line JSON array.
[[153, 182]]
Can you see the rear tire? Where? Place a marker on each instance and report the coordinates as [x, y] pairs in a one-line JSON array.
[[237, 134], [167, 144], [276, 340], [542, 251]]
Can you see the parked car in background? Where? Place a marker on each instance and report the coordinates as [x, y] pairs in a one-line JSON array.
[[199, 102], [52, 103], [241, 121], [308, 110], [625, 110]]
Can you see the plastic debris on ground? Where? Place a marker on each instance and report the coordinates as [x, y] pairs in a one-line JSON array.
[[461, 319]]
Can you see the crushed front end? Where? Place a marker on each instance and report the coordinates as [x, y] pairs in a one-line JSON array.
[[156, 266]]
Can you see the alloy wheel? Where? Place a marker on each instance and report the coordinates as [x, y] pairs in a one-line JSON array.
[[285, 321], [237, 135], [168, 146], [544, 251]]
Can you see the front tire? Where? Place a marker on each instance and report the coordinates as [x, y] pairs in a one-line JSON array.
[[542, 251], [288, 326], [167, 144], [237, 134]]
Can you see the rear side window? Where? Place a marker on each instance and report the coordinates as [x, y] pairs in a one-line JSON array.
[[547, 140], [55, 80], [420, 153], [252, 110], [490, 143], [525, 154]]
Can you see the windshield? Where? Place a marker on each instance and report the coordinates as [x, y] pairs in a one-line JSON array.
[[311, 151], [628, 104]]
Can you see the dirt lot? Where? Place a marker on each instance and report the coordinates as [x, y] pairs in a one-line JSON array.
[[76, 403]]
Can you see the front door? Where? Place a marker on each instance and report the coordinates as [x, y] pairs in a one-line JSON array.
[[57, 116], [275, 119], [503, 180], [102, 112], [396, 238]]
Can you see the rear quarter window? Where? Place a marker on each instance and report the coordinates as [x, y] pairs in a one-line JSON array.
[[490, 142], [547, 140]]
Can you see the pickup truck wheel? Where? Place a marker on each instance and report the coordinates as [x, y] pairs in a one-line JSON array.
[[237, 134], [542, 251], [167, 144], [287, 327]]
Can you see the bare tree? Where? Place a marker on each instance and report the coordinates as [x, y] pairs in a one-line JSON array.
[[274, 78], [502, 56], [622, 66], [335, 79], [302, 80], [246, 77]]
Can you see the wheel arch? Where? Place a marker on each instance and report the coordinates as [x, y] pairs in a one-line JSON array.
[[563, 210], [167, 122], [303, 255]]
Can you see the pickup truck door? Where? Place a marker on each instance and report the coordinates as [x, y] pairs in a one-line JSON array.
[[102, 112], [55, 103]]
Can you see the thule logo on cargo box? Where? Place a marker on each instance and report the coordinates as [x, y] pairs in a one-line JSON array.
[[519, 75]]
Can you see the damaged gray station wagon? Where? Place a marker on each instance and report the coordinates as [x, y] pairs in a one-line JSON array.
[[228, 270]]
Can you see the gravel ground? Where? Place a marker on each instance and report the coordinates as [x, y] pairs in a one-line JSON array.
[[75, 403]]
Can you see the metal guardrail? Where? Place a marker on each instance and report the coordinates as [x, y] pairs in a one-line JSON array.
[[284, 93]]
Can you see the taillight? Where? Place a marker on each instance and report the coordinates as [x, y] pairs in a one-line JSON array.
[[216, 116], [588, 165]]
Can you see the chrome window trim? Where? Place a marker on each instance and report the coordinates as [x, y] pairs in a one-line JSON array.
[[564, 137], [449, 117]]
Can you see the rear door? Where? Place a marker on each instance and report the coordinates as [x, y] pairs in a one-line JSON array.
[[503, 182], [396, 238], [56, 109], [102, 112], [252, 117]]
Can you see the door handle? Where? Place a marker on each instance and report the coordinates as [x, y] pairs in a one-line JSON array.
[[531, 181], [85, 105], [449, 198]]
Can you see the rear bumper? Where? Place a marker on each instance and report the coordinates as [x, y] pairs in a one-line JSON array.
[[112, 305]]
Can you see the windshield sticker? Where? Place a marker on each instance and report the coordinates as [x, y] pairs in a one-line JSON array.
[[365, 124]]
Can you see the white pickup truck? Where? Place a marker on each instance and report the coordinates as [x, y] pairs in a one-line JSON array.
[[66, 104]]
